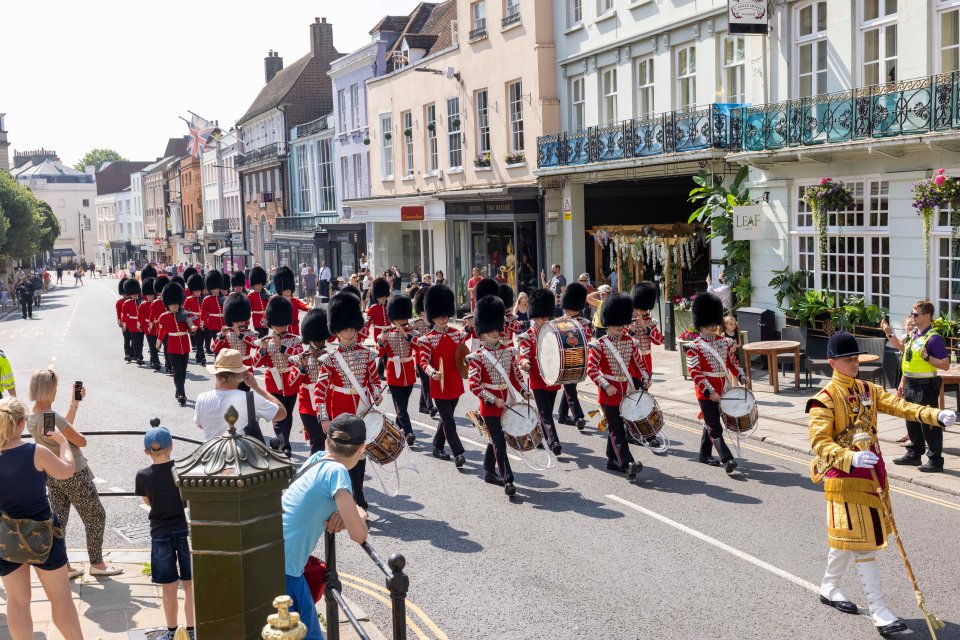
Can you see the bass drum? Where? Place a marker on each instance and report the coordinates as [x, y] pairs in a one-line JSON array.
[[562, 352], [384, 440], [521, 427], [738, 410]]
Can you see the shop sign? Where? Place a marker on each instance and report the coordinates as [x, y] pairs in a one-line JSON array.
[[197, 247], [269, 246], [236, 237], [187, 250], [411, 214], [748, 222], [747, 16], [211, 247]]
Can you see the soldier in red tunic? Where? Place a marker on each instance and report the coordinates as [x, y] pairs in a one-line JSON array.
[[377, 320], [285, 283], [156, 310], [274, 355], [486, 287], [608, 365], [238, 282], [511, 325], [348, 375], [396, 352], [235, 334], [422, 327], [305, 374], [192, 306], [644, 328], [175, 326], [131, 319], [145, 320], [258, 299], [572, 301], [438, 350], [211, 308], [540, 310], [496, 381], [709, 359]]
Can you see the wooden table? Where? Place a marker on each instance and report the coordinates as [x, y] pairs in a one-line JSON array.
[[950, 376], [771, 349]]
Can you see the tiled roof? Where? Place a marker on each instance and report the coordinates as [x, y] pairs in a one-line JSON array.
[[427, 28], [276, 90], [390, 23]]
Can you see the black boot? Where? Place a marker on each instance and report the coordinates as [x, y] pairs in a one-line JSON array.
[[440, 454], [493, 478]]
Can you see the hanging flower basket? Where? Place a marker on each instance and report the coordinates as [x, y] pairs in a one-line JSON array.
[[408, 132], [822, 198], [387, 135], [366, 141], [939, 192], [431, 126]]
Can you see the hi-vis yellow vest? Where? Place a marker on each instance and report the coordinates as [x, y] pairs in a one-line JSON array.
[[917, 365]]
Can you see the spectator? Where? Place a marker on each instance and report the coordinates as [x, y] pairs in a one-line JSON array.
[[212, 405], [898, 343], [324, 276], [78, 490], [364, 263], [365, 283], [37, 282], [60, 274], [340, 283], [78, 276], [25, 293], [320, 498], [397, 281], [427, 280], [309, 285], [46, 280], [4, 295], [521, 310], [594, 300], [614, 279], [472, 284], [556, 284], [438, 278], [24, 474], [584, 279], [169, 536], [303, 278], [7, 383], [722, 291]]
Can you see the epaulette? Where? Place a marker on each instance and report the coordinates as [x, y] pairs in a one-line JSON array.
[[822, 398]]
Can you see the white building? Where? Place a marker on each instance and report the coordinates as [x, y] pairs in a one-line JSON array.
[[139, 244], [221, 192], [106, 212]]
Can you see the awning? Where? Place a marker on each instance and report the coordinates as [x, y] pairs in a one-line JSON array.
[[236, 252], [63, 253]]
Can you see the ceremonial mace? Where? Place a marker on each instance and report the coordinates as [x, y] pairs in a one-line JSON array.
[[862, 442]]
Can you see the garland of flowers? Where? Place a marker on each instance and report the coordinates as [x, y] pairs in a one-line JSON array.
[[822, 198], [939, 192]]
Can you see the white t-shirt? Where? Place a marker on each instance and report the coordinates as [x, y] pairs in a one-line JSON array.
[[211, 405]]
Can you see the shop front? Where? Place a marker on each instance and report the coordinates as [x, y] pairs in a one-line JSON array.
[[311, 240]]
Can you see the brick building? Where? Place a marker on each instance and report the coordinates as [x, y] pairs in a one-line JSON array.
[[190, 199]]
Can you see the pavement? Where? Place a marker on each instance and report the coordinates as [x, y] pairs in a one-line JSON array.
[[684, 551]]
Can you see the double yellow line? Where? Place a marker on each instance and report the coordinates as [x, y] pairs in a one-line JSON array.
[[382, 594]]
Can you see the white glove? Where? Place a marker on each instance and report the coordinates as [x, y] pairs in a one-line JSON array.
[[947, 417], [865, 459]]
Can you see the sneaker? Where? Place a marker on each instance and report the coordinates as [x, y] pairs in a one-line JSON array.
[[108, 570]]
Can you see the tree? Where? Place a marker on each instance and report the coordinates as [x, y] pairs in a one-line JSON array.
[[27, 225], [48, 226], [99, 157]]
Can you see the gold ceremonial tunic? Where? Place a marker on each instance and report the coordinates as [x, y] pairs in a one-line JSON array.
[[838, 412]]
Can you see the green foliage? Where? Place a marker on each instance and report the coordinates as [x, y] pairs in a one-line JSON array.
[[48, 227], [99, 157], [27, 225], [944, 326], [716, 211], [812, 304], [788, 284]]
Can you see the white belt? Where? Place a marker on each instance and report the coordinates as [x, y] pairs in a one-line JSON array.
[[713, 374], [494, 387], [398, 363], [215, 315], [277, 377], [178, 333], [344, 390], [258, 312], [129, 317], [381, 326], [615, 378], [645, 352]]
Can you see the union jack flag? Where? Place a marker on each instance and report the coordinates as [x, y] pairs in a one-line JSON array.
[[200, 132]]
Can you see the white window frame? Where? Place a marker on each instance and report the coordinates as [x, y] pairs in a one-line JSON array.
[[578, 103], [407, 118], [608, 94], [574, 13], [478, 16], [433, 159], [358, 174], [355, 106], [515, 102], [814, 40], [646, 94], [511, 8], [328, 185], [386, 146], [454, 139], [604, 7], [881, 25], [482, 102], [944, 7], [345, 177], [734, 69], [303, 199], [686, 72], [342, 108]]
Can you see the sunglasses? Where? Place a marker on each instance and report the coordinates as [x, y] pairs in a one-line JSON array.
[[916, 314]]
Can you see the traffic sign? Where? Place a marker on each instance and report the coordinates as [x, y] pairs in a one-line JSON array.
[[269, 246]]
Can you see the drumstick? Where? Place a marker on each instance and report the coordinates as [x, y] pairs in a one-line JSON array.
[[506, 406]]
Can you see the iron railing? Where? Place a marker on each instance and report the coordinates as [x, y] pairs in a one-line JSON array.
[[309, 128], [266, 152], [307, 225], [480, 31], [511, 18], [397, 583]]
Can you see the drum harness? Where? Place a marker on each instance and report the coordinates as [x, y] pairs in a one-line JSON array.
[[726, 375], [623, 367]]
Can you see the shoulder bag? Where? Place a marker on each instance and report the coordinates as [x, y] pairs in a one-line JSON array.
[[26, 541]]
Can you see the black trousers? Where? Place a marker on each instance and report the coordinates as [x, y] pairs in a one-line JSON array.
[[208, 335], [318, 439], [196, 339], [925, 391], [448, 427], [713, 431], [495, 457], [570, 403], [179, 363], [136, 345], [545, 401], [618, 450], [26, 306], [282, 428], [356, 482], [166, 357], [425, 402], [127, 344], [401, 397], [325, 288], [154, 352]]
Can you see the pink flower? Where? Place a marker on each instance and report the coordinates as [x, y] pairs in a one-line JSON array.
[[940, 172], [940, 179], [824, 180]]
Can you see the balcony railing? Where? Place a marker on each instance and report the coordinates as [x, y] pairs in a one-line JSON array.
[[309, 128], [510, 18], [306, 225], [909, 107], [479, 30], [272, 150]]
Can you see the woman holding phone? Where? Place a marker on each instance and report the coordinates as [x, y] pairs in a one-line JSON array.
[[77, 490]]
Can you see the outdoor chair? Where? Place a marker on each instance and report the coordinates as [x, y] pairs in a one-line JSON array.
[[873, 370]]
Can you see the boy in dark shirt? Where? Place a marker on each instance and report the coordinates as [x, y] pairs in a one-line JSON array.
[[170, 541]]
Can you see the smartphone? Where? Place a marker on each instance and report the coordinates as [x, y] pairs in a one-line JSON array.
[[77, 387], [49, 423]]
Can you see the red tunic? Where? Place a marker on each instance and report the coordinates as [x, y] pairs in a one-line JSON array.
[[487, 383], [245, 342], [646, 336], [258, 307], [192, 306], [298, 306], [145, 318], [177, 334], [527, 352], [157, 309], [398, 350], [277, 364], [440, 348], [707, 370], [422, 328], [131, 317], [304, 375], [511, 327], [376, 320], [211, 313], [119, 307], [603, 368], [335, 394]]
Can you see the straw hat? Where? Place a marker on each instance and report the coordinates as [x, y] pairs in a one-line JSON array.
[[228, 361]]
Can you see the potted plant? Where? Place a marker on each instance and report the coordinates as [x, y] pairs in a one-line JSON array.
[[812, 308], [937, 192], [455, 122], [788, 285], [431, 126], [823, 197], [408, 132], [516, 158], [482, 160]]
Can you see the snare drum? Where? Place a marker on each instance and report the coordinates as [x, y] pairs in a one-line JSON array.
[[521, 427], [384, 440], [738, 410], [562, 352], [641, 415]]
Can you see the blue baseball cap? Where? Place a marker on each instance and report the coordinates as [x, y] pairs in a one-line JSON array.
[[157, 439]]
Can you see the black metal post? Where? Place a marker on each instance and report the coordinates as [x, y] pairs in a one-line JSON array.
[[398, 583], [333, 582], [671, 334]]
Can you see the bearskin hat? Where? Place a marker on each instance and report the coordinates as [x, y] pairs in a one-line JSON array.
[[258, 275], [195, 282], [349, 288], [180, 281], [146, 287], [238, 279], [159, 283], [172, 294], [313, 327], [380, 288], [418, 300], [344, 312], [148, 272], [189, 271], [213, 280], [279, 312], [644, 295], [574, 297], [506, 294], [439, 301], [707, 310], [236, 308], [616, 310], [542, 302], [120, 286], [400, 307], [486, 287], [488, 315], [284, 280], [131, 287]]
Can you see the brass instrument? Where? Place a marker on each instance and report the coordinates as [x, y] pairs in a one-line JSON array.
[[474, 417]]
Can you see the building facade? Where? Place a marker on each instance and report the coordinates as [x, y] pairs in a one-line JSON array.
[[222, 221], [106, 214], [4, 145], [138, 241], [156, 219]]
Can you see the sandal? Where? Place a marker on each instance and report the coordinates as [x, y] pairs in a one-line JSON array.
[[109, 570]]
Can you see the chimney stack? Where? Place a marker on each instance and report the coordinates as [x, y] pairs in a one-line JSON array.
[[321, 36], [272, 64]]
